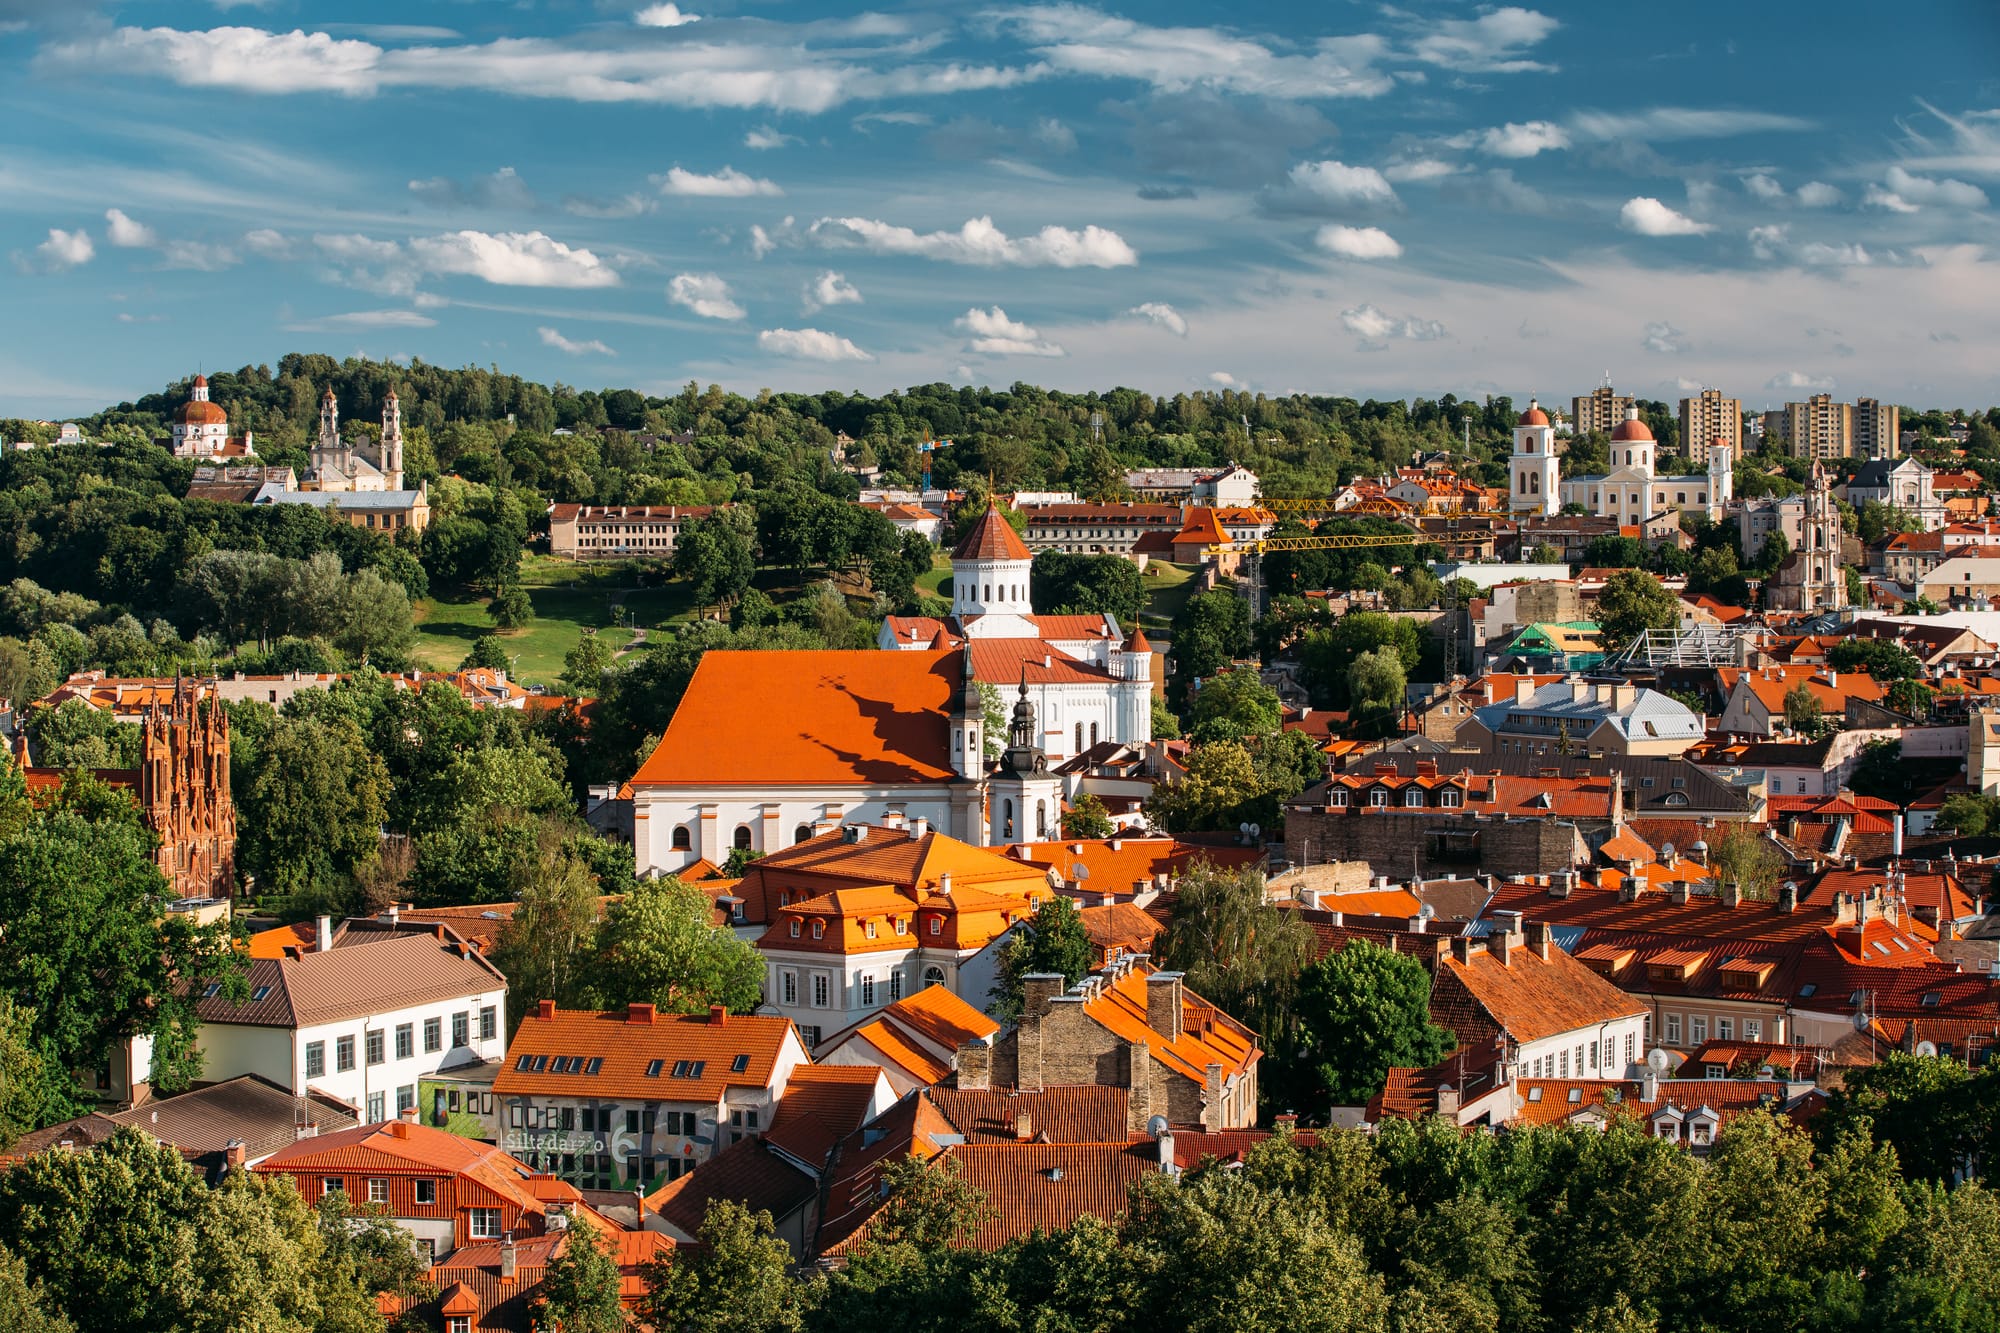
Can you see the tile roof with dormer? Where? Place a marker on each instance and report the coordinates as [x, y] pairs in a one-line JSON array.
[[916, 867], [639, 1054]]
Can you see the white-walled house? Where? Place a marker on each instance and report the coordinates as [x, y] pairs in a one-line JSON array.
[[362, 1022]]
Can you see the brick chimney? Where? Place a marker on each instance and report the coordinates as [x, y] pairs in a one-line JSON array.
[[1731, 893], [235, 1155], [718, 1015], [1538, 936], [1501, 945], [1024, 1127], [1163, 1004], [1448, 1101], [640, 1011], [545, 1010], [1037, 990]]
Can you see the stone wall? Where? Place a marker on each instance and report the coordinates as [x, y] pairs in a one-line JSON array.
[[1443, 842]]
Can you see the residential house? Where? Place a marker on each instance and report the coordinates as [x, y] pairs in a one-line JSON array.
[[914, 1042], [496, 1287], [363, 1019], [1127, 867], [619, 1100], [1612, 718], [1129, 1026], [1963, 582], [1754, 697]]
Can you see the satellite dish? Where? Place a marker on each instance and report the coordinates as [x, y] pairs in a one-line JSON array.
[[1861, 1021], [1926, 1048], [1079, 872], [1427, 911], [1255, 830], [1666, 849], [1657, 1060], [1244, 829]]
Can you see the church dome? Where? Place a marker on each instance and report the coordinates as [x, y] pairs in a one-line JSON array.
[[1631, 428], [1534, 416], [200, 412]]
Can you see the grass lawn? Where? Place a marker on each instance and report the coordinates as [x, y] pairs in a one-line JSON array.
[[1168, 588], [445, 630], [937, 583]]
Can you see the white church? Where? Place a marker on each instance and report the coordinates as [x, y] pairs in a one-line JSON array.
[[1629, 492]]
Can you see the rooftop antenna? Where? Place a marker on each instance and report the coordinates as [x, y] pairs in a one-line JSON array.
[[1097, 428]]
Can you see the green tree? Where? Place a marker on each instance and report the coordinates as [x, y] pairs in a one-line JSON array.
[[1910, 697], [1087, 818], [487, 654], [1052, 940], [510, 607], [93, 953], [1773, 553], [658, 945], [75, 735], [1365, 1010], [1880, 773], [1969, 814], [1375, 688], [1612, 551], [23, 1089], [714, 557], [735, 1279], [579, 1292], [314, 807], [1884, 659], [585, 664], [1744, 857], [1218, 791], [1802, 712], [1060, 583], [1326, 657], [545, 949], [1938, 1115], [1233, 705], [23, 1308], [1632, 603], [1211, 631]]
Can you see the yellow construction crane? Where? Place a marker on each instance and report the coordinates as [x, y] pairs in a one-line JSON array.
[[1332, 541]]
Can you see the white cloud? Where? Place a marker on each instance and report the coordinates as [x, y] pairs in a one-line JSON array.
[[1223, 379], [1796, 379], [1075, 39], [830, 288], [1358, 242], [198, 255], [1161, 315], [553, 338], [810, 345], [512, 259], [1493, 43], [728, 183], [704, 293], [1339, 183], [980, 242], [1420, 169], [625, 206], [1839, 256], [1674, 122], [1375, 327], [503, 189], [664, 16], [268, 243], [363, 319], [1763, 187], [1818, 194], [1877, 197], [66, 249], [765, 137], [1649, 217], [1664, 338], [996, 335], [1765, 241], [1944, 193], [761, 243], [1524, 139], [127, 233]]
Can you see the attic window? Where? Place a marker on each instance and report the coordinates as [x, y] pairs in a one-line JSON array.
[[259, 993], [819, 928], [541, 1063], [1534, 1094], [739, 1064], [1932, 999], [521, 1065], [1575, 1095], [596, 1063], [902, 925], [214, 989], [868, 930], [653, 1068], [1806, 991], [795, 927]]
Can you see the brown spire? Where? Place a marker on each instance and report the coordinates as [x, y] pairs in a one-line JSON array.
[[992, 538]]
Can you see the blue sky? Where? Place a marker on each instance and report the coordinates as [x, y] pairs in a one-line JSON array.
[[1329, 197]]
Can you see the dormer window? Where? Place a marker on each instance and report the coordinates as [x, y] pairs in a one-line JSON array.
[[1338, 800], [1414, 796], [868, 930], [795, 927], [1378, 798], [902, 926], [937, 925], [819, 929]]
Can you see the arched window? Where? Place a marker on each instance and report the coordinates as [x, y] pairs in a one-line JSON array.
[[1093, 733], [1413, 796], [802, 832], [743, 837], [989, 592], [1041, 819], [933, 976], [681, 840], [1534, 483], [1079, 738], [1007, 819]]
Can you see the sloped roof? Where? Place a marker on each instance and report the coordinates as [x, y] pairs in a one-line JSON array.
[[821, 1104], [1117, 864], [746, 1172], [1084, 1113], [371, 976], [792, 718], [1119, 928], [1548, 1101], [629, 1046], [401, 1146], [1208, 1036], [992, 538], [1532, 998]]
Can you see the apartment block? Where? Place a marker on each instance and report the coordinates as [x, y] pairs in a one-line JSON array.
[[1707, 417], [1602, 410], [1816, 428], [1877, 429]]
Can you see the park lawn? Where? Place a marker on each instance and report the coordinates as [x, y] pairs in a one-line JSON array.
[[937, 583], [1168, 587], [446, 630]]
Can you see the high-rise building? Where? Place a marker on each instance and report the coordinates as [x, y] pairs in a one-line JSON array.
[[1816, 428], [1877, 429], [1708, 417], [1603, 410]]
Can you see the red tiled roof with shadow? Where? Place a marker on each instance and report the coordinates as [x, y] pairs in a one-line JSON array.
[[992, 538]]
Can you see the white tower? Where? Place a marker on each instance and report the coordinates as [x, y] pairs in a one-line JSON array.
[[1632, 446], [1132, 695], [1721, 476], [989, 580], [1825, 579], [1535, 477], [1025, 799], [392, 443], [329, 420]]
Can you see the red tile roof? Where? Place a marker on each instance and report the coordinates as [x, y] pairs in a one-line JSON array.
[[1084, 1113], [1532, 998], [992, 538], [626, 1048], [823, 1103]]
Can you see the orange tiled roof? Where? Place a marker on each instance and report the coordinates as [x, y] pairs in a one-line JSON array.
[[992, 538], [1200, 529], [402, 1147], [1532, 998], [1116, 929], [916, 867], [624, 1046], [1771, 684], [756, 719], [1208, 1036], [1119, 865], [822, 1103]]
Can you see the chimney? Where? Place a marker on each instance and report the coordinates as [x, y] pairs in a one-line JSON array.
[[1501, 946], [1037, 990], [234, 1155], [507, 1258], [408, 1115], [944, 884], [1788, 897], [1524, 689], [1507, 923], [1578, 689], [640, 1011], [325, 935], [718, 1015], [1731, 893], [1649, 1085], [545, 1010], [395, 913], [1024, 1127], [1896, 836], [1538, 936], [1461, 948], [1163, 1004], [918, 828], [1448, 1101], [1677, 892]]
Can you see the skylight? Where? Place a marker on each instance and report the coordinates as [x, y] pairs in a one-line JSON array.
[[259, 993], [596, 1063], [739, 1064], [653, 1068], [1576, 1094]]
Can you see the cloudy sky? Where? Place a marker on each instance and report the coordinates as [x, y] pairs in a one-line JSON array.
[[1328, 197]]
